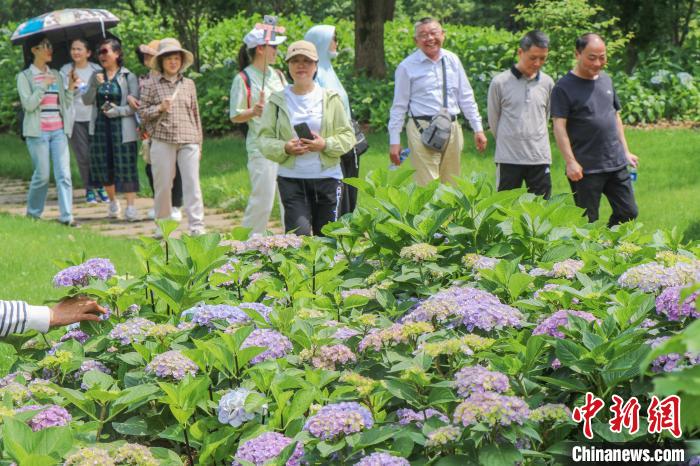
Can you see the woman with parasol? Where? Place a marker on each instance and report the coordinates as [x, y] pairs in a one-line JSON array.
[[48, 120]]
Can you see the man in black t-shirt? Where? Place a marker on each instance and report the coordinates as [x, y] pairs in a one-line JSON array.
[[589, 133]]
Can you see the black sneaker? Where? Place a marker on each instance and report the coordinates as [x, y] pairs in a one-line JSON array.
[[70, 223]]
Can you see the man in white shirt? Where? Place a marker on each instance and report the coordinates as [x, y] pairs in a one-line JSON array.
[[418, 90], [19, 317]]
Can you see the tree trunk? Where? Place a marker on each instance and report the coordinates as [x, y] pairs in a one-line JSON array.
[[370, 16]]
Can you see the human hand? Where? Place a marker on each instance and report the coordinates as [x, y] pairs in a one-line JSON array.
[[395, 154], [295, 147], [112, 111], [77, 309], [133, 102], [574, 171], [480, 141], [317, 144], [100, 77], [633, 159], [49, 79], [259, 105], [73, 80], [166, 105]]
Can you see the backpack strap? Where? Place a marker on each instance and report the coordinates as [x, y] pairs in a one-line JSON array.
[[283, 79], [246, 82]]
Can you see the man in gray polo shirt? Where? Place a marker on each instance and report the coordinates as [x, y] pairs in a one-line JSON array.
[[518, 110]]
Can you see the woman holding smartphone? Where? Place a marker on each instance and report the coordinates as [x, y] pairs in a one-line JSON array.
[[113, 133], [306, 130]]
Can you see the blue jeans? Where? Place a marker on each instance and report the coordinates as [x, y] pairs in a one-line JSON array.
[[50, 145]]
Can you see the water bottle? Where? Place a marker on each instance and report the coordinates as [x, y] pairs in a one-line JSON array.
[[403, 155], [633, 174], [82, 87]]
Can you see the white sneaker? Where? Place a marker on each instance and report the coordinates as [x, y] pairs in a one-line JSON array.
[[157, 233], [151, 214], [131, 214], [176, 214], [114, 209], [198, 231]]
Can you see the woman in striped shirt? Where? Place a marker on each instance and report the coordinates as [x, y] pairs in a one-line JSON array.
[[46, 102]]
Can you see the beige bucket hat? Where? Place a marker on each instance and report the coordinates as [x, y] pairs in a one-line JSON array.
[[170, 45]]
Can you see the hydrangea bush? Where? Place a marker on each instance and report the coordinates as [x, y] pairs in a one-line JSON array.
[[429, 327]]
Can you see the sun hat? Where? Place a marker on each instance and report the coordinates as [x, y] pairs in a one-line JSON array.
[[170, 45], [302, 47], [257, 37], [149, 49]]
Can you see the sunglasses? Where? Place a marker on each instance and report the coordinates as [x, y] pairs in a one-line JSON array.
[[45, 44], [103, 51]]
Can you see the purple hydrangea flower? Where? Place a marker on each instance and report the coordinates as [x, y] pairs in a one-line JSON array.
[[550, 325], [556, 363], [472, 307], [260, 308], [134, 329], [491, 408], [12, 377], [327, 357], [77, 335], [339, 419], [265, 447], [654, 276], [566, 268], [478, 379], [551, 412], [345, 333], [267, 244], [52, 416], [382, 459], [90, 365], [668, 303], [672, 362], [79, 275], [206, 314], [277, 344], [232, 407], [172, 364], [407, 416]]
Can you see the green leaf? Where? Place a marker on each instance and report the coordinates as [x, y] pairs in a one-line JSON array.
[[402, 390], [8, 356], [457, 460], [326, 449], [135, 425], [374, 436], [503, 454], [300, 404]]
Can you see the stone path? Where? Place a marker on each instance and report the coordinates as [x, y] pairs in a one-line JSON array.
[[13, 198]]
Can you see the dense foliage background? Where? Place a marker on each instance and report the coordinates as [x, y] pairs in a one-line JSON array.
[[655, 76]]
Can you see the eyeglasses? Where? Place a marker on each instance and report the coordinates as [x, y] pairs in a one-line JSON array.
[[426, 35], [103, 51]]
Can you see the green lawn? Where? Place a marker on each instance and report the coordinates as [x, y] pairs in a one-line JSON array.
[[29, 249], [668, 194]]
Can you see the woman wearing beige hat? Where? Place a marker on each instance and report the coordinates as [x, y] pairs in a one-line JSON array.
[[169, 108], [306, 130], [145, 53]]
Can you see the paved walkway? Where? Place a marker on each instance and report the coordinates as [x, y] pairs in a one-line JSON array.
[[13, 198]]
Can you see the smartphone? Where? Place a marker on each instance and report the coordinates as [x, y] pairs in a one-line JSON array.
[[303, 131]]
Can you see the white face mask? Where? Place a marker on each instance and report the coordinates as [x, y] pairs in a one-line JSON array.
[[332, 55]]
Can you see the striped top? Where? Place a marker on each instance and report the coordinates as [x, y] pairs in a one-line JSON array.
[[50, 111], [19, 317]]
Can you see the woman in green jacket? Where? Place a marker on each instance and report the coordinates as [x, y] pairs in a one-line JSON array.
[[48, 120], [309, 175]]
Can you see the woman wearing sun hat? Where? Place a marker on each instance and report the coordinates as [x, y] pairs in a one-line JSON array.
[[169, 109], [145, 53], [309, 175], [248, 99]]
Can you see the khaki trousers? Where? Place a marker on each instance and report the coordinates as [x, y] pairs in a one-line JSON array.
[[164, 157], [430, 164]]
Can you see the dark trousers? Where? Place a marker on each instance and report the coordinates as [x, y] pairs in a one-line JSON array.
[[536, 177], [350, 164], [176, 193], [309, 204], [616, 186]]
